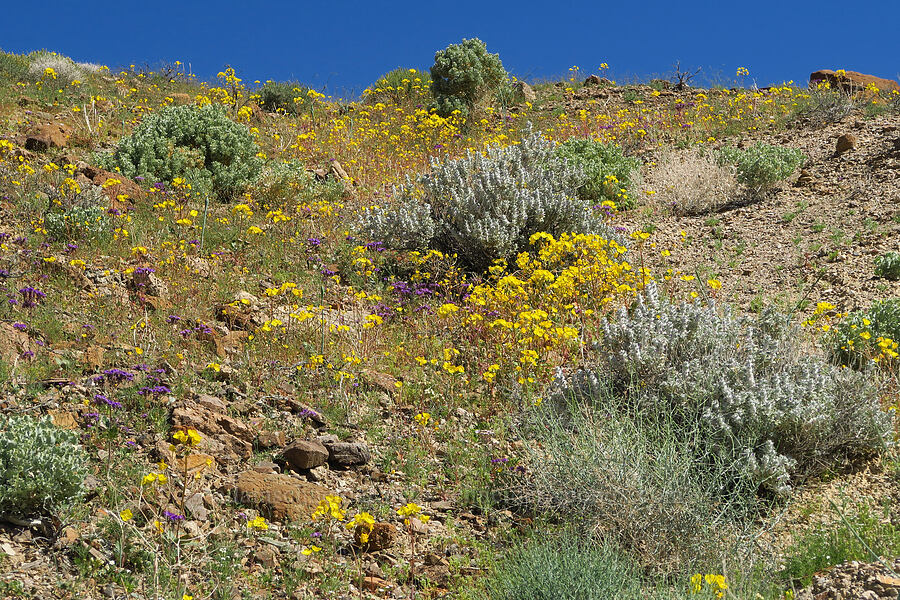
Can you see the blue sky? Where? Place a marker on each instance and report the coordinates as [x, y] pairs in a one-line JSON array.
[[342, 46]]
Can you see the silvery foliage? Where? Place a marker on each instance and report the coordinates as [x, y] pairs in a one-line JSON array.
[[485, 206], [42, 467], [764, 404]]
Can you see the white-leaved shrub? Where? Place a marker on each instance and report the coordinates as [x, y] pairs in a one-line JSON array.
[[42, 467], [763, 404], [487, 205]]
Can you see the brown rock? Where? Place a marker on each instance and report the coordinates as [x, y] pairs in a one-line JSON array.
[[382, 536], [597, 80], [67, 537], [373, 584], [347, 454], [63, 419], [303, 455], [524, 92], [181, 98], [851, 81], [270, 439], [280, 497], [115, 192], [195, 462], [13, 342], [338, 171], [47, 136], [844, 143], [266, 557]]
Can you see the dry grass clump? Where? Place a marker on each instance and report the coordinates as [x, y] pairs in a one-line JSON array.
[[691, 183]]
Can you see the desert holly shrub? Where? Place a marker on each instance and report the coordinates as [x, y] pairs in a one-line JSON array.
[[288, 97], [766, 408], [691, 183], [201, 144], [81, 218], [400, 85], [867, 335], [888, 266], [761, 166], [486, 206], [608, 173], [464, 74], [42, 468], [564, 566]]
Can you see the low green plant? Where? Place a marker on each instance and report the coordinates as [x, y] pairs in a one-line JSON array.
[[400, 85], [13, 67], [866, 334], [564, 565], [761, 166], [201, 144], [888, 266], [866, 536], [608, 173], [463, 75], [42, 467], [284, 96], [81, 218]]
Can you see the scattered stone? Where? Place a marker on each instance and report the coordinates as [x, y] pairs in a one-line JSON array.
[[279, 497], [266, 557], [597, 80], [270, 439], [181, 98], [63, 419], [845, 143], [348, 454], [373, 584], [120, 193], [303, 455]]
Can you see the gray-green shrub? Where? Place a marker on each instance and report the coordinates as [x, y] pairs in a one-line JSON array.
[[485, 206], [464, 74], [564, 566], [888, 266], [764, 405], [42, 467], [82, 218], [212, 152], [599, 160], [761, 166]]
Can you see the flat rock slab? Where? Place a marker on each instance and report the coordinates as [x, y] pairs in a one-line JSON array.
[[279, 497]]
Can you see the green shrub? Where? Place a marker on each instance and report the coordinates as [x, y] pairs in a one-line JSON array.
[[463, 75], [608, 172], [487, 205], [866, 334], [888, 266], [212, 152], [565, 567], [762, 166], [767, 408], [400, 85], [286, 182], [13, 67], [81, 219], [288, 97], [42, 468]]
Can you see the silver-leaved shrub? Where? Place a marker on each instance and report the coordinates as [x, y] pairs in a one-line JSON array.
[[42, 467], [767, 408], [486, 206]]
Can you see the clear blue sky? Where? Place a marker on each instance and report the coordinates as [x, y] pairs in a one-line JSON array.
[[341, 46]]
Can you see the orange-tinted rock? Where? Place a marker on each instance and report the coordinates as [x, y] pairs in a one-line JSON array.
[[279, 497], [851, 81]]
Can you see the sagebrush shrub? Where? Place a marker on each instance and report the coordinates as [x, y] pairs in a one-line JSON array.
[[864, 335], [608, 173], [771, 410], [691, 182], [761, 166], [42, 467], [65, 68], [288, 97], [212, 152], [888, 266], [463, 74], [400, 85], [486, 206]]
